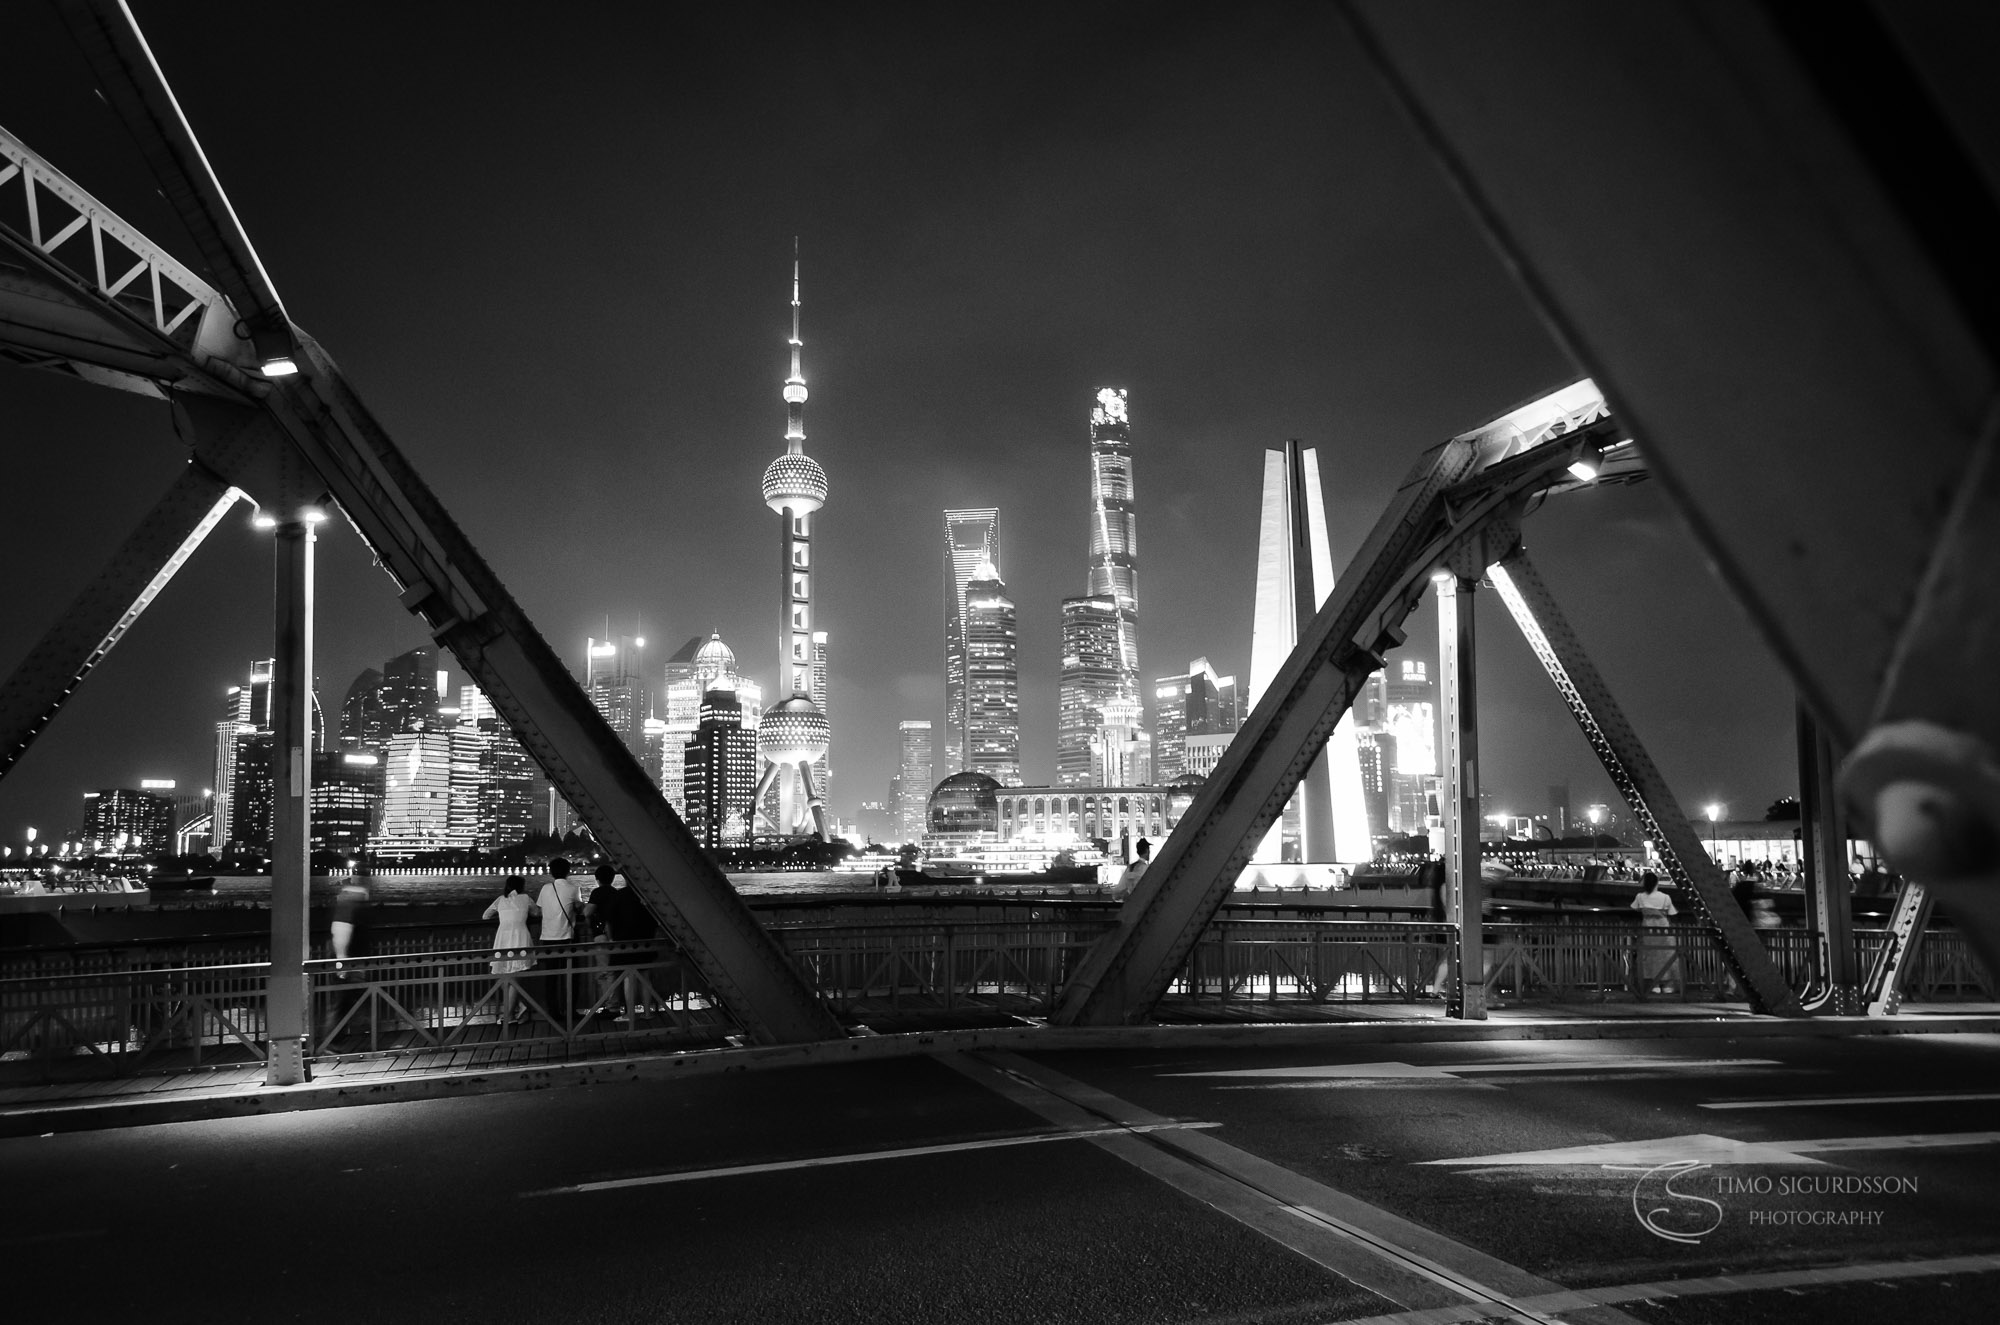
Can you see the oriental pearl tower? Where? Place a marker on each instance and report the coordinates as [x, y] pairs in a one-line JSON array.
[[794, 733]]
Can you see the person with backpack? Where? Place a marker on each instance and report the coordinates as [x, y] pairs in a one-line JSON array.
[[562, 919]]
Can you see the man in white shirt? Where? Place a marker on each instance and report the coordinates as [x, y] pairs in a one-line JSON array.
[[1130, 878], [562, 910]]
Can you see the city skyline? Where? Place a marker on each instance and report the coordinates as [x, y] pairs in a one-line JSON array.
[[1253, 253]]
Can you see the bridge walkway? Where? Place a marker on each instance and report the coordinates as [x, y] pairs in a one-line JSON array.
[[51, 1100]]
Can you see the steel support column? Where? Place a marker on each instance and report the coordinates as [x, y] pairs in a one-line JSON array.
[[1464, 891], [98, 617], [1829, 908], [291, 792], [1631, 769]]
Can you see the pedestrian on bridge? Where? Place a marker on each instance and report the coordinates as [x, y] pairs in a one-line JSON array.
[[511, 943], [1657, 954], [561, 906], [1135, 871], [622, 918]]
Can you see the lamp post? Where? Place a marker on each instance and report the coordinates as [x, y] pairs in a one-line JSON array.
[[291, 745], [1713, 812]]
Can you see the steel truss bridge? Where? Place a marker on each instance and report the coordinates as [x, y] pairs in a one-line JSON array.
[[1762, 266]]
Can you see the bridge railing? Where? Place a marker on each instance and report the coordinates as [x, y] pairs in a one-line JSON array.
[[585, 999], [570, 1001], [1022, 963]]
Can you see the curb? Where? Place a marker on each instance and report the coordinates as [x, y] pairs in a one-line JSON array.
[[257, 1101]]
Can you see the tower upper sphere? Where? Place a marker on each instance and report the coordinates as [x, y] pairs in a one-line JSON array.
[[795, 483]]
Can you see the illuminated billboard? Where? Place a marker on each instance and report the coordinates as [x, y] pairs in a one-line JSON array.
[[1414, 725]]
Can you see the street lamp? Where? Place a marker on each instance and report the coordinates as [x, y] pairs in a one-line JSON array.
[[1713, 812]]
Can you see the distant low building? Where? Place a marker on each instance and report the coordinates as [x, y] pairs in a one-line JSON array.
[[129, 821]]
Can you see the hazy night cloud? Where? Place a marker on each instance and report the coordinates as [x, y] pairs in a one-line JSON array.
[[553, 254]]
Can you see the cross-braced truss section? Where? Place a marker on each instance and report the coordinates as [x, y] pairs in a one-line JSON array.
[[304, 434], [1459, 510], [1632, 772]]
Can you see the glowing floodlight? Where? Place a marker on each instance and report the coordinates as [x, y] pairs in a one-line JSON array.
[[282, 366]]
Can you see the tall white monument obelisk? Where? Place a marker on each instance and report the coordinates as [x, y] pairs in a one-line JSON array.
[[1294, 577]]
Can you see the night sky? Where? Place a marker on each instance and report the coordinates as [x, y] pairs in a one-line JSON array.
[[551, 246]]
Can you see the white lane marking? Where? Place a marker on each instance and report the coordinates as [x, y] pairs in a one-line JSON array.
[[861, 1157], [1366, 1245], [1828, 1101], [1336, 1071], [1704, 1149], [1916, 1141], [1583, 1298]]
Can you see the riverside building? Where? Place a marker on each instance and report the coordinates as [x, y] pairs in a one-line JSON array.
[[971, 540], [912, 782], [703, 664], [992, 678]]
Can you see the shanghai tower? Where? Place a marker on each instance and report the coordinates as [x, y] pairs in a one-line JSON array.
[[794, 733], [1100, 646]]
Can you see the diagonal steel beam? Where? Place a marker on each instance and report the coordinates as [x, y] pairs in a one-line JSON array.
[[100, 615], [130, 80], [1632, 771], [1884, 986]]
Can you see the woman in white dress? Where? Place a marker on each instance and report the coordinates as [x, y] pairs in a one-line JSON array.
[[511, 940], [1656, 946]]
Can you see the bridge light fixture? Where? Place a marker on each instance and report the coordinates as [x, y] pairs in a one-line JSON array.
[[263, 521], [282, 365], [1583, 469]]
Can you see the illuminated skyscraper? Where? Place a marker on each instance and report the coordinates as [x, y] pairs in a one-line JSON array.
[[614, 678], [703, 664], [1114, 537], [1197, 704], [1121, 754], [246, 711], [346, 800], [913, 777], [362, 726], [410, 692], [992, 678], [1100, 645], [794, 734], [503, 800], [1090, 679], [720, 772], [1410, 717], [971, 540], [130, 821], [430, 793]]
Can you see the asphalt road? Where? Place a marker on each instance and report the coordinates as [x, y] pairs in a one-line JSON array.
[[1216, 1186]]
